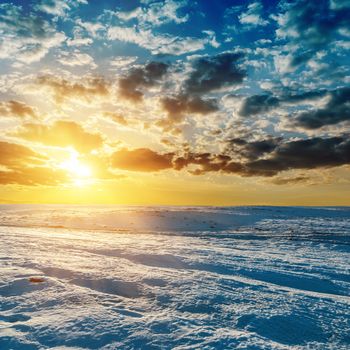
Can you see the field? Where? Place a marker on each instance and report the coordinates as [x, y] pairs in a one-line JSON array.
[[109, 277]]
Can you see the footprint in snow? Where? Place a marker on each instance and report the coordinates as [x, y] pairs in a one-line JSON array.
[[22, 286]]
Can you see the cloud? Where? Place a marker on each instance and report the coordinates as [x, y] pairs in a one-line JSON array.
[[205, 161], [76, 58], [211, 38], [159, 43], [13, 155], [254, 149], [62, 134], [82, 34], [141, 159], [33, 176], [302, 179], [304, 96], [259, 158], [147, 55], [150, 15], [58, 7], [252, 17], [212, 73], [336, 110], [311, 26], [79, 41], [208, 74], [303, 154], [26, 37], [87, 88], [19, 109], [21, 165], [165, 12], [141, 77], [123, 61], [93, 28], [257, 104], [156, 13], [310, 153], [176, 106], [15, 22], [53, 7], [116, 117]]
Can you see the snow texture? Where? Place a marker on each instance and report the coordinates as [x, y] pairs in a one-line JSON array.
[[108, 277]]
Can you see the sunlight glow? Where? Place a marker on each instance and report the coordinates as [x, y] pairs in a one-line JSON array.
[[76, 168]]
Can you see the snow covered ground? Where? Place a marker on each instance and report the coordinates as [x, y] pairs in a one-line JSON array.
[[174, 277]]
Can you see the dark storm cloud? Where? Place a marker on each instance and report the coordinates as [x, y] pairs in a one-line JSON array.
[[312, 25], [253, 150], [203, 159], [259, 158], [209, 73], [336, 110], [178, 105], [257, 104], [306, 95], [286, 155], [206, 162], [304, 154], [215, 72], [150, 75]]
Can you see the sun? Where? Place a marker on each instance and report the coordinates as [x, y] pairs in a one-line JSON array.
[[76, 168]]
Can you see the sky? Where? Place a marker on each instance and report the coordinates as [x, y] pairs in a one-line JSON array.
[[175, 102]]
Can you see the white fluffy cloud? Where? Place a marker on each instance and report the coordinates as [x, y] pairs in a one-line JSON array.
[[161, 43], [123, 61], [26, 37], [92, 28], [58, 7], [76, 58], [252, 17], [156, 13]]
